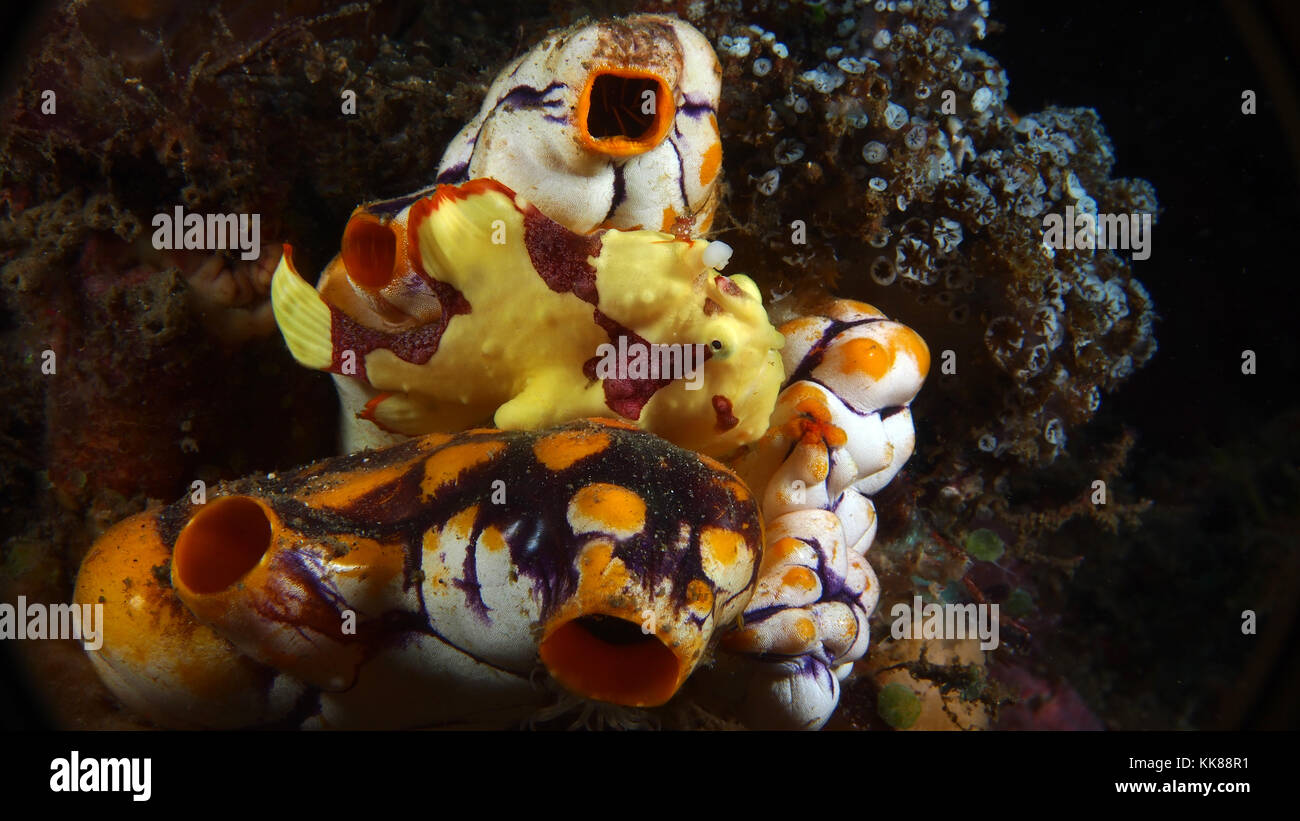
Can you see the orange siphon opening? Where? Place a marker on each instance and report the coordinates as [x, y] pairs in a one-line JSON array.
[[224, 541], [624, 111], [610, 659], [369, 251]]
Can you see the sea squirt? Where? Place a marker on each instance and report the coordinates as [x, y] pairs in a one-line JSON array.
[[612, 124], [420, 585]]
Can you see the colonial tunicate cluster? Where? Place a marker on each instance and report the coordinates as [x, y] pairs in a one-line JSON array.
[[841, 431], [917, 177]]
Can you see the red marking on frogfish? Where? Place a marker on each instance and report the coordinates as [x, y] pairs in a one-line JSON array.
[[627, 397], [560, 256], [728, 287], [722, 408], [415, 346]]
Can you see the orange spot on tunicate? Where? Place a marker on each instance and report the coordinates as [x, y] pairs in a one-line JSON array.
[[721, 545], [802, 392], [805, 630], [908, 340], [339, 490], [607, 507], [807, 326], [558, 451], [604, 579], [446, 466], [817, 465], [799, 578], [711, 163], [699, 598], [492, 539], [595, 559], [376, 562], [670, 217], [462, 524], [860, 356], [783, 548], [739, 490]]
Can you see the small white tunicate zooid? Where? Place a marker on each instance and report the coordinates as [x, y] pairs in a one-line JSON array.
[[851, 65], [1055, 432], [788, 151], [735, 46], [895, 116]]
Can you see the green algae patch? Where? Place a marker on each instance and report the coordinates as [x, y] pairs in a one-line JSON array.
[[898, 706], [985, 545], [1019, 603]]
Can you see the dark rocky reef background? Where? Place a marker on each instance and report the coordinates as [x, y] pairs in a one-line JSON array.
[[1134, 606]]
